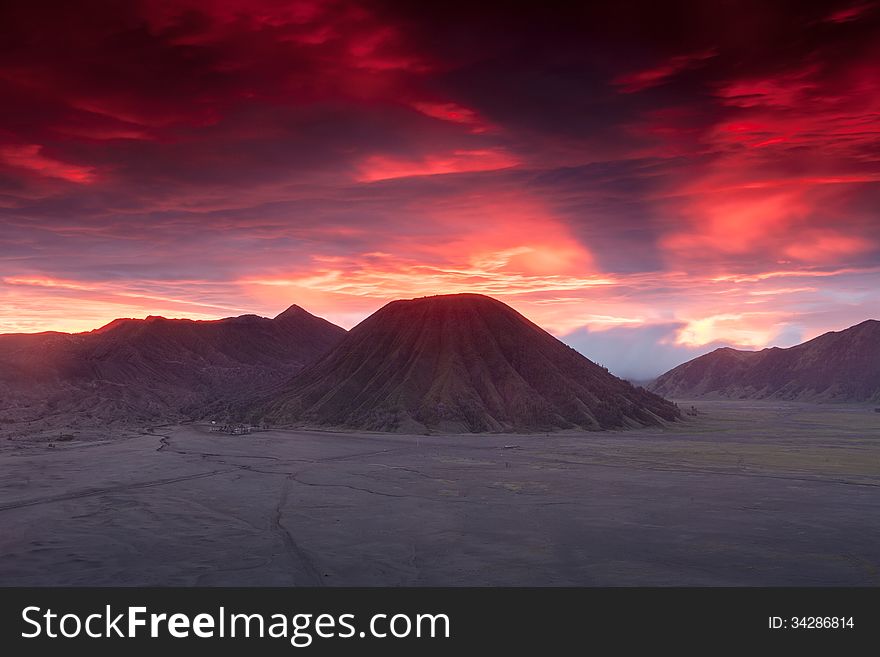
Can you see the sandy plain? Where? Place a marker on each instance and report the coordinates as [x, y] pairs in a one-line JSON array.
[[742, 494]]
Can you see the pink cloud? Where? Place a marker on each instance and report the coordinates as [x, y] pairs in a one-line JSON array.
[[30, 157], [382, 167], [828, 246], [453, 113]]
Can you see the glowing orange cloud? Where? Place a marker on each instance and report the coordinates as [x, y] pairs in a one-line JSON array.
[[744, 204], [796, 273], [771, 218], [827, 246], [736, 222], [501, 245], [740, 310], [33, 302], [340, 154], [744, 311], [745, 329]]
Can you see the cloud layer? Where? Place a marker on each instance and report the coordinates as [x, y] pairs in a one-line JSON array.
[[646, 189]]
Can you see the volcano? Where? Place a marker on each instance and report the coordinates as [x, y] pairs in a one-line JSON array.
[[837, 366], [459, 363], [140, 370]]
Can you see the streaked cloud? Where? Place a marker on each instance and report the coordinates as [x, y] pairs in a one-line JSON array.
[[689, 179]]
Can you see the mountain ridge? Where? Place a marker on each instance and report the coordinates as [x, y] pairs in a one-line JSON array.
[[839, 365], [142, 370]]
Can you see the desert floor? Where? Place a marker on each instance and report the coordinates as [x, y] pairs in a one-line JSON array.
[[745, 493]]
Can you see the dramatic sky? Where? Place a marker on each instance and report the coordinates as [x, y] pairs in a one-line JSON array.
[[645, 180]]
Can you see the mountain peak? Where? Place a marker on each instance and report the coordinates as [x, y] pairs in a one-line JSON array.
[[449, 300], [146, 369], [292, 311], [460, 363]]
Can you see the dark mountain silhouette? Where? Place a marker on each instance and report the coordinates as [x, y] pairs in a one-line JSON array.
[[138, 370], [459, 363], [836, 366]]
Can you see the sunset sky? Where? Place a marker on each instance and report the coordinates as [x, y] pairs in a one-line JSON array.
[[645, 180]]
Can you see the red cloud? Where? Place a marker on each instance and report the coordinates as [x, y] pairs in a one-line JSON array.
[[851, 13], [783, 91], [453, 113], [245, 135], [657, 75], [30, 158], [381, 167]]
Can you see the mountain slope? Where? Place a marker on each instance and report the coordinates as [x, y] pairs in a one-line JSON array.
[[459, 363], [836, 366], [136, 370]]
